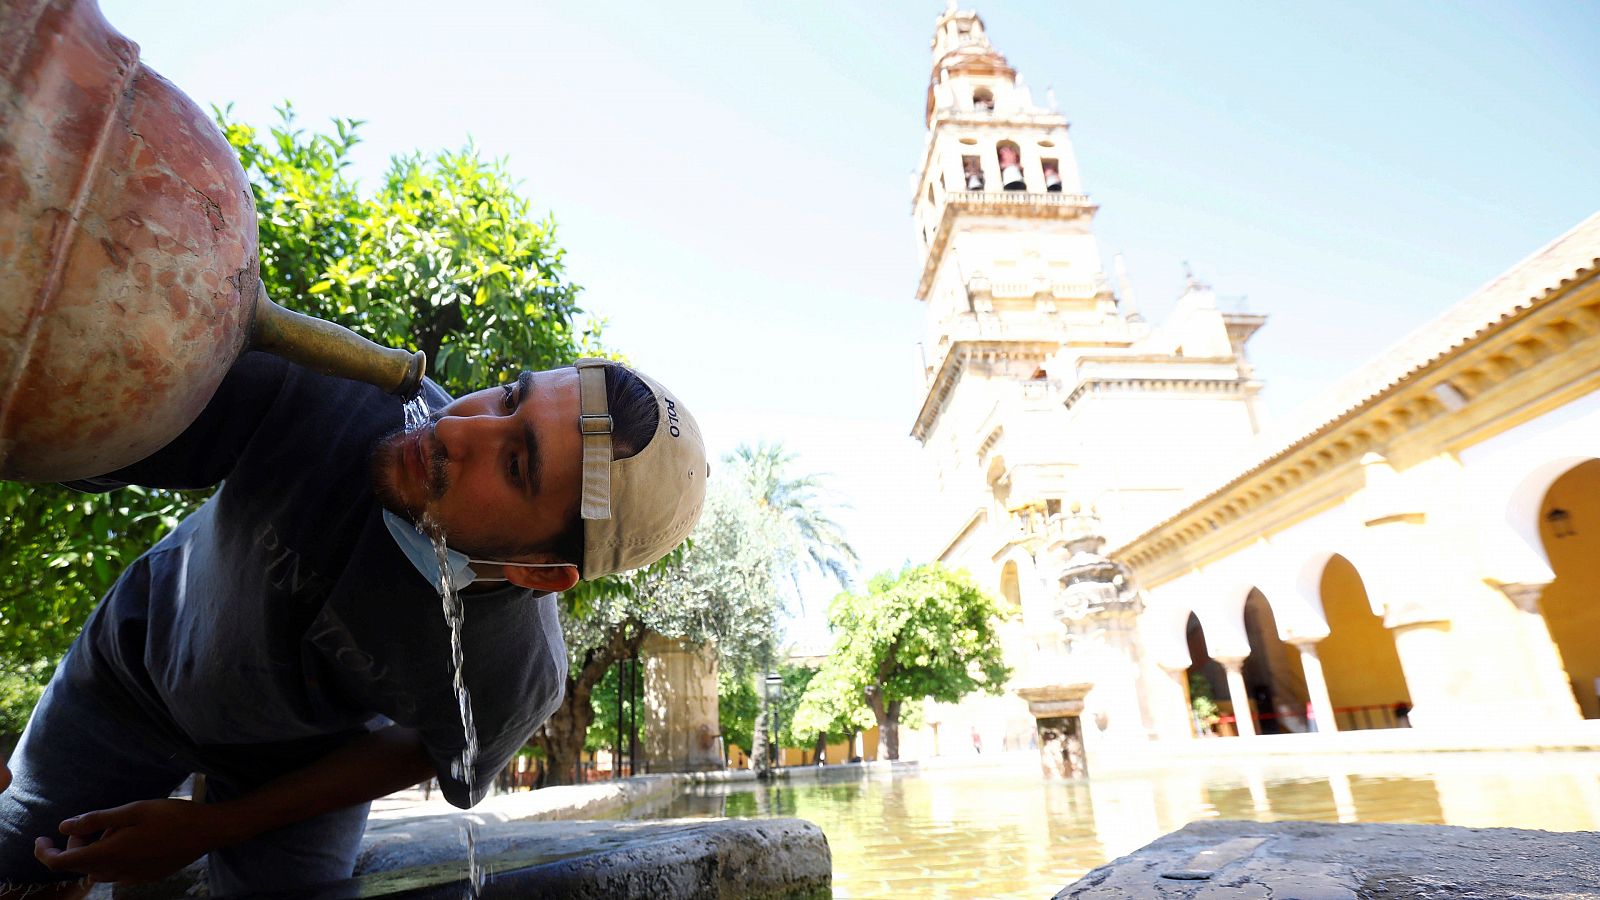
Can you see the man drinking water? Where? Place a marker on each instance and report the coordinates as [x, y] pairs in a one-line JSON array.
[[285, 640]]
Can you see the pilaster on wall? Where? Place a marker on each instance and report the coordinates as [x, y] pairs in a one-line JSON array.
[[1424, 650], [1554, 695]]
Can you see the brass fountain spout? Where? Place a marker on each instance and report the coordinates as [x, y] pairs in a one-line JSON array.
[[333, 349]]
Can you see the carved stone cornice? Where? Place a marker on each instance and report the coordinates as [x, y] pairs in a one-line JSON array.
[[1055, 700], [1159, 385], [1544, 346], [953, 364], [1524, 597], [1011, 204]]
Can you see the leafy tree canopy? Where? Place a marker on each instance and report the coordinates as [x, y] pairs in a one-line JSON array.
[[802, 505], [926, 632], [602, 734], [445, 256], [739, 702], [795, 680], [737, 707], [719, 589]]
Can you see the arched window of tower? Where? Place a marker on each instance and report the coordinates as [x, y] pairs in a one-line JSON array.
[[1010, 587], [983, 100], [1010, 166], [972, 169], [1052, 174], [930, 193]]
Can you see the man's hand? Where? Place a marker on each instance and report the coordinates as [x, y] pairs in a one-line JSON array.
[[142, 841], [151, 839]]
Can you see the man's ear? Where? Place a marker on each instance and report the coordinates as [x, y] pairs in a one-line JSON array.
[[556, 579]]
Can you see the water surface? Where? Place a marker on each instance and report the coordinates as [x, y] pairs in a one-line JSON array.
[[1004, 832]]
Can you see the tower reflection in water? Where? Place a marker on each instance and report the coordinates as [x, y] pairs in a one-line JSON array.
[[1001, 832]]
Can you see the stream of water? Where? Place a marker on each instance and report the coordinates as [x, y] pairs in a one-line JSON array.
[[464, 767]]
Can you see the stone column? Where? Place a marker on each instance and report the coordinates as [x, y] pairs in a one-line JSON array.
[[1108, 645], [1317, 688], [1056, 709], [1549, 672], [1177, 716], [1424, 650], [1242, 718], [679, 720]]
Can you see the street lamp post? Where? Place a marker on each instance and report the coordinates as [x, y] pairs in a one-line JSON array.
[[774, 689]]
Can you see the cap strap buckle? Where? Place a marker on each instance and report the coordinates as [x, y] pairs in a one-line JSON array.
[[594, 422]]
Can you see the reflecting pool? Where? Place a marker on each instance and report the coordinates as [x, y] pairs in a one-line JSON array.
[[1004, 832]]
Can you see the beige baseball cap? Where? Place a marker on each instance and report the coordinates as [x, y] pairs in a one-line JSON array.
[[636, 510]]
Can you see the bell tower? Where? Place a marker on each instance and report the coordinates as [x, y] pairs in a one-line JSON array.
[[1010, 271], [1044, 390], [1002, 222]]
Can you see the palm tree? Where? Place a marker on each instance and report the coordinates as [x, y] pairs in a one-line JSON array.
[[802, 503]]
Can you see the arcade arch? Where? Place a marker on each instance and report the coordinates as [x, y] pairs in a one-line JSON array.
[[1273, 673], [1365, 682], [1569, 531], [1206, 676]]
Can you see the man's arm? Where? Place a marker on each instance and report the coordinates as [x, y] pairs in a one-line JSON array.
[[151, 839]]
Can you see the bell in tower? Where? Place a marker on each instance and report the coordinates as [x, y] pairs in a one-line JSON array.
[[972, 170], [1011, 167], [1052, 175]]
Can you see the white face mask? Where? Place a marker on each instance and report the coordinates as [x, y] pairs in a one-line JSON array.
[[418, 548], [522, 565]]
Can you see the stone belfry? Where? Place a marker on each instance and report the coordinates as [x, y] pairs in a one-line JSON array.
[[1046, 391]]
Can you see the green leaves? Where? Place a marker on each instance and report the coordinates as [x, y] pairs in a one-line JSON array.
[[737, 707], [60, 551], [927, 632], [727, 586], [446, 256], [802, 503]]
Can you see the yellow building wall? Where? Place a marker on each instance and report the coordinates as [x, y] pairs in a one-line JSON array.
[[739, 757], [796, 757], [841, 752], [1571, 604]]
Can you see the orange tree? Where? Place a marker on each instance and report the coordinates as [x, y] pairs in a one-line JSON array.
[[925, 633]]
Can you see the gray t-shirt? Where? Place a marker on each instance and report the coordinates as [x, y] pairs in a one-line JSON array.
[[281, 618]]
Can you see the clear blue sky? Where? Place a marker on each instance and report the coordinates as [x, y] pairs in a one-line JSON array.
[[731, 179]]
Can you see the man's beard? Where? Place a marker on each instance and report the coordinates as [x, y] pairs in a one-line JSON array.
[[385, 463]]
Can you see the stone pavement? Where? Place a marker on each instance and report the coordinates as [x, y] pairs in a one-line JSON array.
[[1220, 860]]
